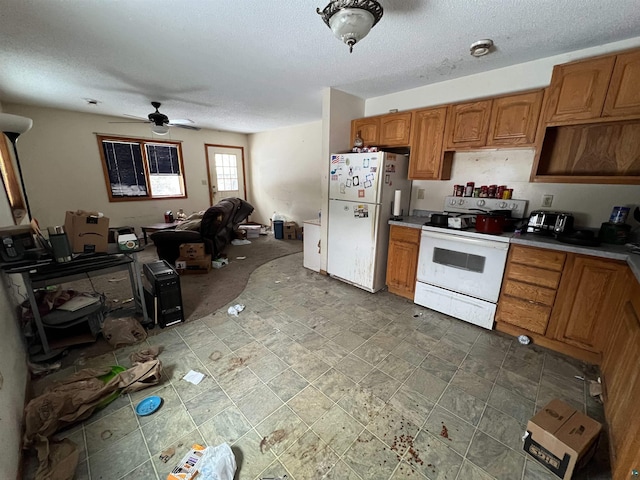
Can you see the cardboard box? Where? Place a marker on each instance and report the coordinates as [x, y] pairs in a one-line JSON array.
[[189, 465], [186, 266], [128, 242], [290, 230], [194, 251], [253, 231], [300, 233], [561, 439], [87, 232]]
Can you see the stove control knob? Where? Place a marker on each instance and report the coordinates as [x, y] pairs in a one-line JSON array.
[[502, 204], [513, 206], [480, 203], [461, 202], [452, 201]]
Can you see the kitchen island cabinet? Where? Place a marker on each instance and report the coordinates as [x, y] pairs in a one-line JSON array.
[[402, 260]]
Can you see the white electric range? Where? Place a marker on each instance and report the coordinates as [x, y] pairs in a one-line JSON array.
[[460, 271]]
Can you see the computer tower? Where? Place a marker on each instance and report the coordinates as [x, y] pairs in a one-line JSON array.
[[162, 293]]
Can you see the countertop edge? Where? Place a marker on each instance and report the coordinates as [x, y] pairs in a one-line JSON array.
[[613, 252]]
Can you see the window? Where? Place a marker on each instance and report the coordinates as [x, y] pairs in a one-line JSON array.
[[226, 172], [141, 170]]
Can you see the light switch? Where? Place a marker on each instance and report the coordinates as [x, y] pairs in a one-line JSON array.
[[421, 194]]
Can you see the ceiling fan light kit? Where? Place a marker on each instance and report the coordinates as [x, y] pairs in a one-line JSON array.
[[351, 20], [160, 129]]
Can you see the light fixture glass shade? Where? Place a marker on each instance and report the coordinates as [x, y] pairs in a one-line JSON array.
[[160, 129], [351, 20], [14, 123], [351, 24]]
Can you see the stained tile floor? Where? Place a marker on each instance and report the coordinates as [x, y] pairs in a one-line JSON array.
[[317, 379]]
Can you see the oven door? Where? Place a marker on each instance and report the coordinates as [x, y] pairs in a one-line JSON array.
[[466, 265]]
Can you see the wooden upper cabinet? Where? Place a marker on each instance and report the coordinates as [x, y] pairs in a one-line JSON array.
[[395, 129], [369, 128], [426, 161], [578, 89], [623, 97], [514, 119], [468, 124]]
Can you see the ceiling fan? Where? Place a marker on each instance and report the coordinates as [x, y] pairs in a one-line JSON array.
[[160, 123]]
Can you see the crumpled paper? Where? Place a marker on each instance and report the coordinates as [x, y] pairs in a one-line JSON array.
[[235, 310]]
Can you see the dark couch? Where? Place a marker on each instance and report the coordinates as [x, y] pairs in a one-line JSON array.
[[216, 230]]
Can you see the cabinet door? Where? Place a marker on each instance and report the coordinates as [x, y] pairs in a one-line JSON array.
[[578, 90], [587, 299], [395, 129], [369, 129], [514, 119], [427, 133], [623, 97], [467, 124], [402, 260], [621, 376]]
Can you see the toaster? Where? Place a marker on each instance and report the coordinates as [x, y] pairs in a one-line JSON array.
[[547, 222]]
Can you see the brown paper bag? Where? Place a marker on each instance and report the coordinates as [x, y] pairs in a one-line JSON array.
[[123, 331], [58, 459]]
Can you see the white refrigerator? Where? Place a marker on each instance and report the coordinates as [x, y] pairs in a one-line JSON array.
[[361, 195]]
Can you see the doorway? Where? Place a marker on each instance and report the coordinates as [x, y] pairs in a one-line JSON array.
[[225, 169]]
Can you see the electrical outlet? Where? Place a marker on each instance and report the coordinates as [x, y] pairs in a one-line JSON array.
[[421, 194], [547, 200]]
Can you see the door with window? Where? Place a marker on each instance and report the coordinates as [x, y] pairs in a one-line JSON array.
[[225, 166]]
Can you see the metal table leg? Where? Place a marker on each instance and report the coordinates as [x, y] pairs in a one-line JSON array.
[[136, 283], [36, 313]]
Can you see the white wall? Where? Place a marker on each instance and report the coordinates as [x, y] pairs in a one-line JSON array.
[[285, 164], [63, 171], [591, 203], [13, 369]]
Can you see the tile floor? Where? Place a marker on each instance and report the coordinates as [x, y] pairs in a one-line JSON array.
[[317, 379]]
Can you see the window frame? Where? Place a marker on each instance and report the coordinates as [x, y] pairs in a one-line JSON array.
[[142, 142]]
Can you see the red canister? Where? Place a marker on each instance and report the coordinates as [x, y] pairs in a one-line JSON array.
[[468, 191], [492, 191]]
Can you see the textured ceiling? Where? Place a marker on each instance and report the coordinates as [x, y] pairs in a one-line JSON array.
[[250, 66]]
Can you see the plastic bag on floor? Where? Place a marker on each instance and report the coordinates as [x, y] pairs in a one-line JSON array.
[[235, 310], [218, 463]]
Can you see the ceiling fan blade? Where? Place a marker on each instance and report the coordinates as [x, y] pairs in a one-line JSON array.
[[182, 121], [140, 121], [188, 127], [136, 116]]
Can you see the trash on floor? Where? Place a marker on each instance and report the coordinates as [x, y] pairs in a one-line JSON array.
[[208, 462], [237, 241], [43, 368], [524, 340], [193, 377], [145, 354], [122, 331], [75, 399], [220, 262], [167, 454], [235, 309], [241, 258]]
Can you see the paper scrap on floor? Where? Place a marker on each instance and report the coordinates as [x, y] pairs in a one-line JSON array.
[[193, 377], [237, 241]]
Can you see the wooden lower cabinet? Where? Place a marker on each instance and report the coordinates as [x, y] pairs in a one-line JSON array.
[[587, 299], [621, 379], [402, 260], [529, 288], [564, 301]]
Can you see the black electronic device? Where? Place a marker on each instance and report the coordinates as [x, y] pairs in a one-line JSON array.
[[11, 250], [162, 293]]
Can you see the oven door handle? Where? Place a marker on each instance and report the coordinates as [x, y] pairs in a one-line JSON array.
[[468, 240]]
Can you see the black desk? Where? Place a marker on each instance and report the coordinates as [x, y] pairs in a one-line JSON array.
[[43, 274]]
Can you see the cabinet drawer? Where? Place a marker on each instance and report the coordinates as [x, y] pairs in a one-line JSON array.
[[405, 234], [536, 257], [524, 291], [533, 275], [523, 314]]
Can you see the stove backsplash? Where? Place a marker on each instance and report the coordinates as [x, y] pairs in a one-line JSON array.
[[591, 204]]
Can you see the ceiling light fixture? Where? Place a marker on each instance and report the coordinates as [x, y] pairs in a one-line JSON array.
[[159, 129], [481, 47], [351, 20]]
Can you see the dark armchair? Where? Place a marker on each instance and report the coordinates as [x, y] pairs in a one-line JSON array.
[[216, 230]]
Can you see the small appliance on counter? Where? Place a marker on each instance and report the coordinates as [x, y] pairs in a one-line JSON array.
[[616, 231], [545, 222]]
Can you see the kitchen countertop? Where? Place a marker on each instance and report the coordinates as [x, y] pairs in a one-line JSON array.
[[614, 252]]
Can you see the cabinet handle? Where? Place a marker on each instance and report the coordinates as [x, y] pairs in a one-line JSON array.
[[635, 473]]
